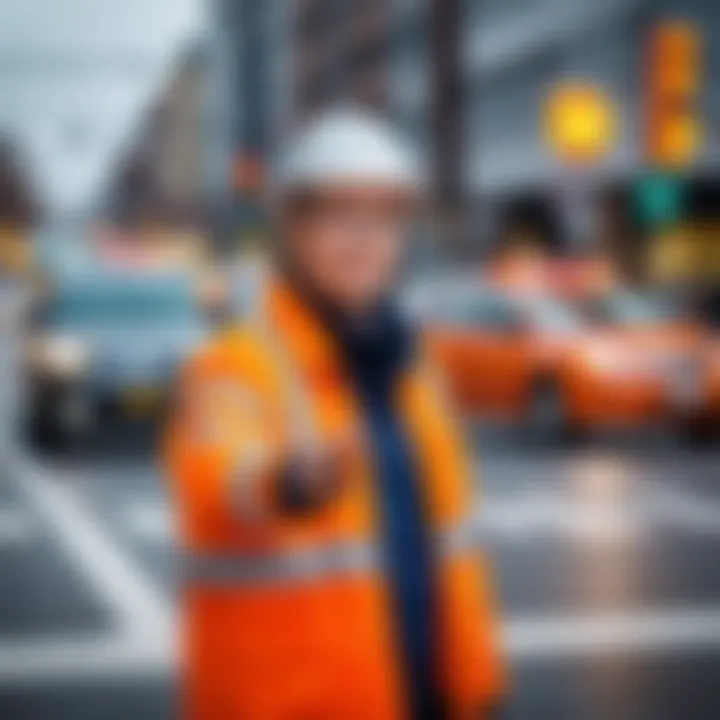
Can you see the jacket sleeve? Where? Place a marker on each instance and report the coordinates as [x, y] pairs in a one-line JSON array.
[[223, 442]]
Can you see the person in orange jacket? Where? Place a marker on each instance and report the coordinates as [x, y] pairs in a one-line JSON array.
[[322, 489]]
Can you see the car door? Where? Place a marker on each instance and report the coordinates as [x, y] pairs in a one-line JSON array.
[[496, 353], [479, 342]]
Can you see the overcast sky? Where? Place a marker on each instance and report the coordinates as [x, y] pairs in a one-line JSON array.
[[75, 76]]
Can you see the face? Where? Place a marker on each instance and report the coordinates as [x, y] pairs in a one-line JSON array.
[[347, 243]]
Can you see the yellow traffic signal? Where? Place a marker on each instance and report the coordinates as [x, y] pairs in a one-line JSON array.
[[580, 122]]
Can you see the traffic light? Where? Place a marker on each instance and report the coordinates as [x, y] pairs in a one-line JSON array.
[[580, 122], [674, 133]]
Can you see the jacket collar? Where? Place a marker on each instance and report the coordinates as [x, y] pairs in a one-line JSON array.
[[311, 338], [307, 339]]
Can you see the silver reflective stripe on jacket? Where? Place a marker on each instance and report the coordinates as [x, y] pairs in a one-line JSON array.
[[290, 566], [309, 564]]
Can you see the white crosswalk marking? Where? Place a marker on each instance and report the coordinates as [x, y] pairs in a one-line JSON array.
[[642, 631], [527, 639], [595, 511], [520, 518], [528, 522], [522, 523], [514, 520], [602, 513], [150, 521], [138, 607], [71, 659], [531, 514]]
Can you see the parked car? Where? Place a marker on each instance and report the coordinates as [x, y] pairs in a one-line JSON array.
[[102, 347], [683, 348], [536, 359]]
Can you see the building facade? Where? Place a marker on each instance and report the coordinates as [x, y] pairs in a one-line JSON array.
[[159, 179], [514, 51], [467, 81]]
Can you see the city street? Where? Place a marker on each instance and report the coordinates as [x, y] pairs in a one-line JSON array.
[[606, 557], [535, 184], [607, 561]]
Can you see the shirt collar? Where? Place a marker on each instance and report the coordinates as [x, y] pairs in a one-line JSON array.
[[320, 338]]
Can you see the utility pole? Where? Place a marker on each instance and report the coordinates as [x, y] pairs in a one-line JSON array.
[[447, 122]]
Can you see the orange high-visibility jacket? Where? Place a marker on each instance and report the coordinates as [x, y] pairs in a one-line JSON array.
[[288, 617]]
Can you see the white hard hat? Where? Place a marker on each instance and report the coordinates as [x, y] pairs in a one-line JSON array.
[[347, 146]]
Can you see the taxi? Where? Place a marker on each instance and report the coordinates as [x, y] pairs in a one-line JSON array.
[[535, 359], [713, 384], [685, 368]]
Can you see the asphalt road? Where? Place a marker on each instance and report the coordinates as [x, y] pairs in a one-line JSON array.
[[606, 559]]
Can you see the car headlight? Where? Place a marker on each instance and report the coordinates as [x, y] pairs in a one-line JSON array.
[[606, 359], [59, 355]]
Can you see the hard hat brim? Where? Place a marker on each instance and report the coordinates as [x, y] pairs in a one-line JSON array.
[[347, 148]]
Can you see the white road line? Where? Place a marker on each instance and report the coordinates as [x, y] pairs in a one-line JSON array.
[[526, 639], [143, 645], [525, 516], [529, 521], [530, 516], [601, 515], [67, 660], [137, 605], [149, 520], [648, 631]]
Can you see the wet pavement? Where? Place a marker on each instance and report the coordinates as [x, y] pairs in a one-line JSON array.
[[606, 559]]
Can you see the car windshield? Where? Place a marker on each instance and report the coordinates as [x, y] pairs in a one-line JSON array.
[[482, 310], [630, 308], [552, 315], [134, 304]]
